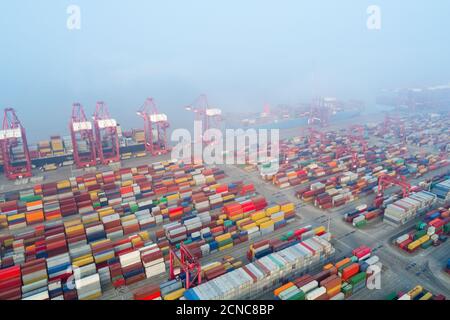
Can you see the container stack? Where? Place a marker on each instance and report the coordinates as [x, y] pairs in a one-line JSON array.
[[442, 191], [403, 210], [88, 288], [10, 283], [334, 282], [34, 278], [153, 260], [257, 276]]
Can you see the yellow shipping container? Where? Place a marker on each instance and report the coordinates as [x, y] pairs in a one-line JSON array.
[[104, 258], [249, 226], [423, 239], [228, 197], [415, 291], [319, 229], [16, 216], [272, 210], [172, 197], [258, 215], [223, 237], [127, 183], [63, 184], [74, 229], [267, 224], [83, 260], [427, 296], [237, 217], [212, 265], [413, 245], [261, 221], [288, 207], [144, 235], [105, 212], [228, 246]]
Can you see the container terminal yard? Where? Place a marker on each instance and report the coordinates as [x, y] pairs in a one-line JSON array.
[[347, 199], [252, 157]]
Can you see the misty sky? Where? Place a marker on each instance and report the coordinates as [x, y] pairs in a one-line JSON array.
[[240, 53]]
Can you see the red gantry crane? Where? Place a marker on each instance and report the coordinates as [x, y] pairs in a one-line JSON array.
[[155, 128], [14, 147], [106, 135], [211, 118], [319, 112], [385, 181], [83, 141], [189, 265]]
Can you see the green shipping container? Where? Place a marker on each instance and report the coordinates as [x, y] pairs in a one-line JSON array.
[[134, 207], [298, 296], [225, 242], [421, 225], [361, 224], [228, 223], [420, 234], [347, 290], [447, 228], [358, 278], [30, 198], [392, 296]]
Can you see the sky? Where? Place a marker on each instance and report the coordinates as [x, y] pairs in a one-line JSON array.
[[242, 54]]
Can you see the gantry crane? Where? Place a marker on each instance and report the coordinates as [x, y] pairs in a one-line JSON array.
[[14, 147], [83, 142], [106, 135], [319, 113], [155, 128], [189, 265], [385, 181], [210, 118], [342, 150]]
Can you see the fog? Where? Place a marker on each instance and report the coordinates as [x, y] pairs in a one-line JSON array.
[[240, 53]]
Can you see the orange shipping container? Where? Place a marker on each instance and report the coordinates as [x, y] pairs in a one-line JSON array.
[[277, 291], [35, 216]]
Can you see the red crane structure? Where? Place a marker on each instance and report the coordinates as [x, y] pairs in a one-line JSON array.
[[342, 150], [155, 128], [14, 147], [83, 142], [319, 113], [106, 135], [189, 265], [211, 118], [385, 181]]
